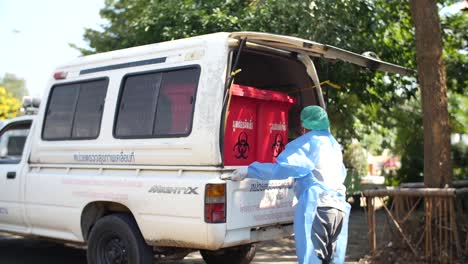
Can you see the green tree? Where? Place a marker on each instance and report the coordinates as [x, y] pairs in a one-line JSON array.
[[14, 85], [9, 105], [432, 79]]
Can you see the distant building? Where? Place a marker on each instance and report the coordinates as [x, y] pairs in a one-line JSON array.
[[383, 164]]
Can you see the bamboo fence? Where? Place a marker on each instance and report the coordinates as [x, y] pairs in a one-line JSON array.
[[445, 231]]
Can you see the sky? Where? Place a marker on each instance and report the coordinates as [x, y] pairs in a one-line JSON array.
[[35, 36]]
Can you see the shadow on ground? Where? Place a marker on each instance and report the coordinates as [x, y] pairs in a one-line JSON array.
[[17, 250]]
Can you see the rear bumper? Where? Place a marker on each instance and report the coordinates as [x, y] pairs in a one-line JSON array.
[[217, 237], [250, 235]]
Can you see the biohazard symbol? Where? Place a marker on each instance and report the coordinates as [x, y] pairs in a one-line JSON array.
[[278, 145], [242, 146]]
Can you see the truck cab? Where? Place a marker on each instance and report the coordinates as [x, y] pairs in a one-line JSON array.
[[13, 137]]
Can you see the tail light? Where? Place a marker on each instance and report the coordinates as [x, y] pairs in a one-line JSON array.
[[215, 203], [61, 75]]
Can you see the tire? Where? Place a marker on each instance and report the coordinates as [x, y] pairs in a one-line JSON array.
[[116, 239], [234, 255]]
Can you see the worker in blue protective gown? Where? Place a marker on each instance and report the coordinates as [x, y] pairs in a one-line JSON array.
[[315, 161]]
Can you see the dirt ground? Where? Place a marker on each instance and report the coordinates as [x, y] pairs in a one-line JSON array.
[[17, 250]]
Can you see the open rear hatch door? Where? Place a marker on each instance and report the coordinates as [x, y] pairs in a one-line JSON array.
[[315, 49]]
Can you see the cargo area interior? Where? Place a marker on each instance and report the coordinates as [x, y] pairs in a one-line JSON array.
[[266, 99]]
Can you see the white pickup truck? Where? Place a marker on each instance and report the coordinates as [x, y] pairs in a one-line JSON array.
[[126, 151]]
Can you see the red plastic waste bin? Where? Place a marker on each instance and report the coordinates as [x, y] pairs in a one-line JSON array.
[[272, 133], [240, 137], [257, 125]]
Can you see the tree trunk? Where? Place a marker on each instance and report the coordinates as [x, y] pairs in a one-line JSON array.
[[431, 76]]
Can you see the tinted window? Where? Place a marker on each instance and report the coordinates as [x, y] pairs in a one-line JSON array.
[[75, 110], [136, 111], [175, 105], [59, 115], [89, 109], [157, 104]]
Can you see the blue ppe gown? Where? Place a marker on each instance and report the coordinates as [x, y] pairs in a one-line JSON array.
[[303, 160]]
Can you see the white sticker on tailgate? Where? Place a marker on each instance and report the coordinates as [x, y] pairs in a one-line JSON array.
[[257, 203]]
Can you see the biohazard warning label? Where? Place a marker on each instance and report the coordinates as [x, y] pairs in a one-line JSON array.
[[241, 148]]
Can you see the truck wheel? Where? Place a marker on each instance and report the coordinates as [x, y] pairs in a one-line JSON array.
[[116, 239], [234, 255]]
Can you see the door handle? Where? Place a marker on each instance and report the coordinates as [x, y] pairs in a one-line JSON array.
[[11, 175]]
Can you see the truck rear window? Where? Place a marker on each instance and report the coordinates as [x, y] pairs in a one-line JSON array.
[[75, 110], [157, 104]]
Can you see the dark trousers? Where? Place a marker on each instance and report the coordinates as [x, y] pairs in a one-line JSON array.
[[325, 230]]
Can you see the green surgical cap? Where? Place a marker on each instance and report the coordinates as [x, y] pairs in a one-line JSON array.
[[314, 117]]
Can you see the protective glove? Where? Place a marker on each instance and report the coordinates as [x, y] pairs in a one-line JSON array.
[[236, 175]]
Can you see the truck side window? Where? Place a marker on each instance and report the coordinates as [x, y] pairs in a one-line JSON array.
[[158, 104], [12, 140], [75, 110], [137, 106]]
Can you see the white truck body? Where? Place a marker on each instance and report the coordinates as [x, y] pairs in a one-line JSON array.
[[62, 187]]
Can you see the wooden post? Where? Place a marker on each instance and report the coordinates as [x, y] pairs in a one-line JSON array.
[[371, 224], [439, 224], [428, 206], [466, 244], [446, 226], [453, 217]]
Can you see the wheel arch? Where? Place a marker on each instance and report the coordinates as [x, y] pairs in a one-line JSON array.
[[95, 210]]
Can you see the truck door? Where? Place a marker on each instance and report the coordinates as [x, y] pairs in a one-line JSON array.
[[12, 141]]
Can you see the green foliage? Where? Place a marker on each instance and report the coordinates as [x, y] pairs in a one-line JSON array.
[[352, 181], [409, 142], [355, 159], [14, 85], [458, 110], [406, 116], [455, 36], [460, 160], [139, 22], [9, 105]]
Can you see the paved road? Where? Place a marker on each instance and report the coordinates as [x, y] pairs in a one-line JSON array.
[[17, 250]]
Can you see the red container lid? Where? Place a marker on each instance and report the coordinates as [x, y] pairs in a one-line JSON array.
[[266, 95]]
